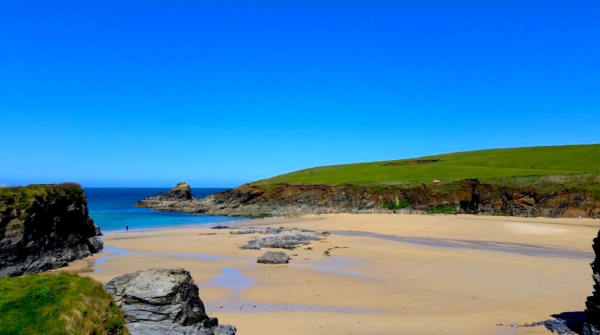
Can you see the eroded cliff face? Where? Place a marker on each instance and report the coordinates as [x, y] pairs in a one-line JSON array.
[[467, 197], [592, 317], [43, 227]]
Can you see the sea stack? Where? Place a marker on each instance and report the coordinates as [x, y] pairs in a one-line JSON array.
[[181, 191], [178, 199], [592, 314], [43, 227], [163, 301]]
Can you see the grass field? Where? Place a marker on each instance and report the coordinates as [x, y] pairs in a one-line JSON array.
[[57, 304], [486, 165]]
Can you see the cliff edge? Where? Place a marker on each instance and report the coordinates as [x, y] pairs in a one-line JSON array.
[[43, 227]]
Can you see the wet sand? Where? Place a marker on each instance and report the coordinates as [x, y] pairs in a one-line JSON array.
[[393, 274]]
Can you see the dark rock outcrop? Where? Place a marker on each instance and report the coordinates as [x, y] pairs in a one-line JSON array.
[[285, 239], [592, 314], [181, 191], [274, 257], [43, 227], [221, 227], [163, 301], [178, 196], [463, 197]]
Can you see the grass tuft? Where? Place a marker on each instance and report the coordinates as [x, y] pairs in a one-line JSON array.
[[396, 205]]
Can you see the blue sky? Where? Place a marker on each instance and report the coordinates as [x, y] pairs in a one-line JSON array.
[[218, 93]]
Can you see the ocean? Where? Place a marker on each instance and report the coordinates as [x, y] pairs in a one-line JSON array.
[[112, 210]]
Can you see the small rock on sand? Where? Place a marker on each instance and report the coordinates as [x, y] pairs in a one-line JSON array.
[[274, 257]]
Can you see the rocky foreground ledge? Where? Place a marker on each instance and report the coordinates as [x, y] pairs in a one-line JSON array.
[[43, 227], [163, 301], [462, 197], [592, 314]]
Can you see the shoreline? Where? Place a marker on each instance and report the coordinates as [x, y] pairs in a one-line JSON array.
[[388, 286], [179, 226], [273, 219]]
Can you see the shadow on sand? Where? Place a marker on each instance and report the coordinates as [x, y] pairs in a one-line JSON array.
[[572, 322]]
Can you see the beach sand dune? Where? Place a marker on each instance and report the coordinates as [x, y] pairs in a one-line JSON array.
[[391, 274]]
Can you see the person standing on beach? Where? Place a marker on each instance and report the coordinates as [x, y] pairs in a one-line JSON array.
[[127, 228]]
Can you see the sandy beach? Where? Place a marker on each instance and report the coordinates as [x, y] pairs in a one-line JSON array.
[[387, 274]]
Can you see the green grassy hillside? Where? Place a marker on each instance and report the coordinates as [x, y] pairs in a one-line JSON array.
[[57, 304], [497, 164]]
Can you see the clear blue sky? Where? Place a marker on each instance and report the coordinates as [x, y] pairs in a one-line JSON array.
[[218, 93]]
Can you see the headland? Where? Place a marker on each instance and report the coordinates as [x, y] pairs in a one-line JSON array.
[[552, 182]]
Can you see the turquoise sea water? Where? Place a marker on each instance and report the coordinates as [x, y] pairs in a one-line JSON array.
[[112, 209]]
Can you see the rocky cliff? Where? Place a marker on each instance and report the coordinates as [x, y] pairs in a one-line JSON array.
[[43, 227], [466, 196], [592, 317], [163, 301]]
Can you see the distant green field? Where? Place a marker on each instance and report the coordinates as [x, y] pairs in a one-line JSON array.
[[496, 164]]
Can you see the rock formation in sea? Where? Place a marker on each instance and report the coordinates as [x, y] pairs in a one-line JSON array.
[[274, 257], [464, 197], [178, 196], [181, 191], [43, 227], [163, 301], [592, 314]]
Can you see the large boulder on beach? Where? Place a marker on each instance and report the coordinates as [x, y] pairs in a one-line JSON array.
[[592, 314], [163, 301], [274, 257]]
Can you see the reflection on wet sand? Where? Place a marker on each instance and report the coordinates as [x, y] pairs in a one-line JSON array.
[[232, 305], [118, 252], [236, 282], [515, 248], [337, 265]]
